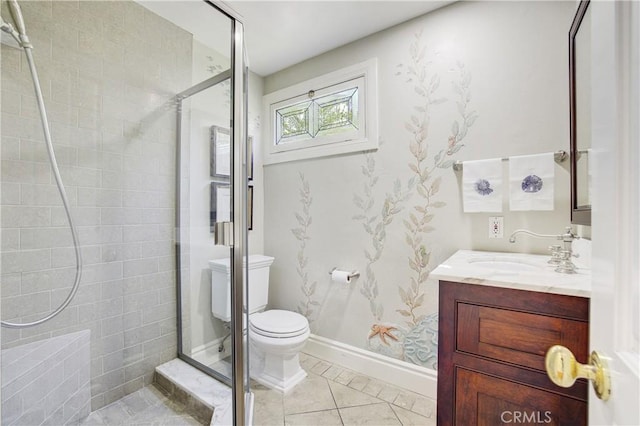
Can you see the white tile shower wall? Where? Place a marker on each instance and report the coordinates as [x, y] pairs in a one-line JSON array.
[[472, 80], [108, 69], [47, 382]]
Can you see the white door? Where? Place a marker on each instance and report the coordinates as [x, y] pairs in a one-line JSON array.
[[615, 304]]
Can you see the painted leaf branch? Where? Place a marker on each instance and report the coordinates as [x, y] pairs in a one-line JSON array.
[[375, 225], [305, 307], [426, 84], [468, 118]]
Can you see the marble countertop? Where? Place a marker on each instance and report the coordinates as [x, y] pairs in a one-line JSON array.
[[512, 270]]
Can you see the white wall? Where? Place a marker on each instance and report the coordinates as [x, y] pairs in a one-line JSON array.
[[511, 59]]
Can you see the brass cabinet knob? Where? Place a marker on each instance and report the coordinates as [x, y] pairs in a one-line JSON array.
[[564, 370]]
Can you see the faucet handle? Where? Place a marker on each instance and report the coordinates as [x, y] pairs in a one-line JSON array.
[[569, 234], [555, 254], [565, 265]]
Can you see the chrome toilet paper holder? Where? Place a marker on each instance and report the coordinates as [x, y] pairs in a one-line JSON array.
[[353, 274]]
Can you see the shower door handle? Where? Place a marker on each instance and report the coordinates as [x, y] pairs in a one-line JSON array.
[[223, 233]]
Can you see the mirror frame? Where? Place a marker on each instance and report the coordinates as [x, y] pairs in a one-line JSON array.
[[579, 215]]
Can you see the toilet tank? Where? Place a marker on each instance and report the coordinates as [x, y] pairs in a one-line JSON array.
[[221, 285]]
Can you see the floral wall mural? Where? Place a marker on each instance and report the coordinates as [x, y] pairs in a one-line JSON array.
[[415, 338], [301, 233], [395, 213], [375, 224]]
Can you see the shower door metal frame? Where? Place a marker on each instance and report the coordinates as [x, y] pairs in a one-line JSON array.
[[240, 190], [238, 74], [180, 97]]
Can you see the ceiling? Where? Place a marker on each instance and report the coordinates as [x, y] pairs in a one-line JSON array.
[[283, 33]]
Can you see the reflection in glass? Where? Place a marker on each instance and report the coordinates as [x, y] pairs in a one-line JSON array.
[[220, 152]]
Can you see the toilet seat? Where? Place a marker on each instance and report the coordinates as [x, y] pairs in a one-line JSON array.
[[278, 323]]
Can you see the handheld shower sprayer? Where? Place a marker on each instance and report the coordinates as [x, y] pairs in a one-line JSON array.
[[16, 14], [19, 31]]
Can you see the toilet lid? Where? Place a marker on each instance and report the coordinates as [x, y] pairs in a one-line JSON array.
[[278, 323]]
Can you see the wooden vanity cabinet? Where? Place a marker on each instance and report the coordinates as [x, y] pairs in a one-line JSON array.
[[492, 343]]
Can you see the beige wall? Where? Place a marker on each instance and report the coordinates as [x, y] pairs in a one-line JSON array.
[[509, 61]]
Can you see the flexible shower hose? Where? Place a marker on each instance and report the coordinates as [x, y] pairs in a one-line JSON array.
[[56, 173]]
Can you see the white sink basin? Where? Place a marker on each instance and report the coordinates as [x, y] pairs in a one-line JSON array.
[[504, 263]]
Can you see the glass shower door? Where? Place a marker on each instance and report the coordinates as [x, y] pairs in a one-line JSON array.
[[211, 229]]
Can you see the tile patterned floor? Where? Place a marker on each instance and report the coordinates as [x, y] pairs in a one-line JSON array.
[[332, 395], [145, 407]]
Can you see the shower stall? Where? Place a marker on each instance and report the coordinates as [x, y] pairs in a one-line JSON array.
[[123, 172]]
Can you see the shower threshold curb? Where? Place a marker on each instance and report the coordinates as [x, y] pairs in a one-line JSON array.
[[206, 399]]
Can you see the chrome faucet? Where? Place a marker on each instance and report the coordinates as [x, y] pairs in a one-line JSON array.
[[560, 256]]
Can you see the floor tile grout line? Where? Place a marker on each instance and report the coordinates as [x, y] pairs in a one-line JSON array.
[[334, 400], [364, 405], [319, 411], [388, 385], [395, 414], [284, 415], [400, 390]]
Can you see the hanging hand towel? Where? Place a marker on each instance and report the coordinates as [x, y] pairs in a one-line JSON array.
[[531, 182], [482, 186]]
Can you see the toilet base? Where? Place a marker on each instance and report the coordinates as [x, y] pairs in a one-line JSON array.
[[283, 386], [281, 372], [276, 363]]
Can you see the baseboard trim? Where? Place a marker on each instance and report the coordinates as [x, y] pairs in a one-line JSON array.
[[399, 373]]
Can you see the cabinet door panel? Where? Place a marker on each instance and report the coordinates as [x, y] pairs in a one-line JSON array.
[[492, 343], [486, 400], [516, 337]]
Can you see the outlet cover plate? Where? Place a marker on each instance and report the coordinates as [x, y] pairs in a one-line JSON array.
[[496, 227]]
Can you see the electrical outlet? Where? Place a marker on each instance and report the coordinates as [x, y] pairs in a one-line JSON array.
[[496, 226]]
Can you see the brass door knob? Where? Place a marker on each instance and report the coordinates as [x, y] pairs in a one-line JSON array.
[[564, 370]]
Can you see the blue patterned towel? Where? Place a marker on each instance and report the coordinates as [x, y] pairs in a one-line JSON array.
[[482, 186], [531, 182]]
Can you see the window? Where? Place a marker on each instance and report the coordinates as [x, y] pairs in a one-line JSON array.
[[332, 114]]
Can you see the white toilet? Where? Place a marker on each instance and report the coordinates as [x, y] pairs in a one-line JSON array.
[[276, 336]]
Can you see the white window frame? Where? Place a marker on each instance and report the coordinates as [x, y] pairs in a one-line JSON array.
[[362, 75]]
